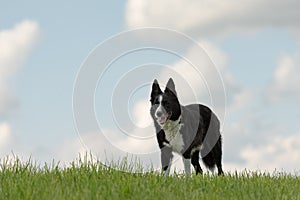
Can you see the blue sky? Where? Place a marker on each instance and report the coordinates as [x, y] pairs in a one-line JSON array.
[[255, 45]]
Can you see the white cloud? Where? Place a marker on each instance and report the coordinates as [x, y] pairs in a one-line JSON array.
[[15, 46], [213, 17], [279, 152], [285, 82], [139, 118], [5, 134]]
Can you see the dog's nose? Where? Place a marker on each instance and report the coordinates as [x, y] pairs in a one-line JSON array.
[[159, 114]]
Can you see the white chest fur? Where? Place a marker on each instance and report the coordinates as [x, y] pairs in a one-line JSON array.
[[172, 132]]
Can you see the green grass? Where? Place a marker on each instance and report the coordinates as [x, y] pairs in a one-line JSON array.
[[92, 180]]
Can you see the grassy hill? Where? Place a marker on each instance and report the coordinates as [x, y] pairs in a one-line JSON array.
[[87, 180]]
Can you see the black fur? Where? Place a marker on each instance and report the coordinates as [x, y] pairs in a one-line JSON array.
[[200, 126]]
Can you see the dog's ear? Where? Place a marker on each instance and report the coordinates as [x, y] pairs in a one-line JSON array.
[[170, 88], [155, 90]]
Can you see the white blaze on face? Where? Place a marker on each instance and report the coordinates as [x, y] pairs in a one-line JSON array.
[[159, 108], [160, 112]]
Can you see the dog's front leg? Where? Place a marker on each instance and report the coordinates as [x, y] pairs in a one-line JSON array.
[[165, 152], [166, 159], [187, 165]]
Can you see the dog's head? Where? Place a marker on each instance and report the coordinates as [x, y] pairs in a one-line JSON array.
[[164, 105]]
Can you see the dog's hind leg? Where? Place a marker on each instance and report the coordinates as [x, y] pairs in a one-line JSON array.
[[195, 162], [220, 171], [218, 152]]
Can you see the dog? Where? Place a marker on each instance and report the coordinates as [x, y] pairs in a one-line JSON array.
[[187, 130]]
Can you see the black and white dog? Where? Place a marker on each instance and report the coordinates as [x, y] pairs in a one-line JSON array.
[[186, 130]]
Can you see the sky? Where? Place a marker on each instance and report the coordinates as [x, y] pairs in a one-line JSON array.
[[247, 53]]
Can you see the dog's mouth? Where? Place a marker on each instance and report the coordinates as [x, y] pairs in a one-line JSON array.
[[163, 119]]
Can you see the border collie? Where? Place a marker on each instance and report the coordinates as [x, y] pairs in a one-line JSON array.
[[187, 130]]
